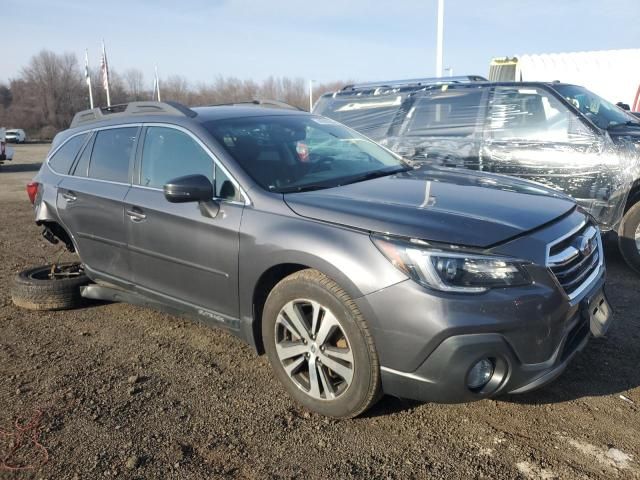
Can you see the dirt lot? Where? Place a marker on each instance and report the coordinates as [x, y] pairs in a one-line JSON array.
[[132, 393]]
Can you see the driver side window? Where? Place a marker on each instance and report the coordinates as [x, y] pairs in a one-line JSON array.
[[533, 115], [169, 153]]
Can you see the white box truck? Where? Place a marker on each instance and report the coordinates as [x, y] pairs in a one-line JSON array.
[[612, 74]]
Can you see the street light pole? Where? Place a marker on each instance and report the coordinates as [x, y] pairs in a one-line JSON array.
[[439, 38]]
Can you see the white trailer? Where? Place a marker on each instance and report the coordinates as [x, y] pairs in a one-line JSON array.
[[612, 74]]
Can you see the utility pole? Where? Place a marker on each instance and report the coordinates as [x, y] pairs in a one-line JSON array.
[[439, 38]]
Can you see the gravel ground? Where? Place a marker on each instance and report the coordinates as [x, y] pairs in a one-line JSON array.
[[129, 392]]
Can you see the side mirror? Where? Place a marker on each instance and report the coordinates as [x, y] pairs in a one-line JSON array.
[[191, 188]]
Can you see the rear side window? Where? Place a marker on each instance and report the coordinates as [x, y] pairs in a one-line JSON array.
[[452, 113], [63, 159], [112, 150], [82, 165], [169, 153], [369, 115]]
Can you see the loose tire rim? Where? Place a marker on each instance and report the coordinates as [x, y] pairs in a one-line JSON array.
[[314, 349], [56, 272]]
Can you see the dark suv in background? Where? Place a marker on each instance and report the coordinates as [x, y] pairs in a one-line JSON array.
[[560, 135], [355, 272]]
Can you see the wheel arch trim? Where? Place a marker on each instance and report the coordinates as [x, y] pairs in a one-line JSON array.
[[280, 267]]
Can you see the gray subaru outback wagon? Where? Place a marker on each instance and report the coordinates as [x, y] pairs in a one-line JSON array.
[[355, 273]]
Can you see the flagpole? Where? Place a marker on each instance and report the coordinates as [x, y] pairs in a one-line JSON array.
[[158, 83], [87, 75], [439, 38], [105, 72]]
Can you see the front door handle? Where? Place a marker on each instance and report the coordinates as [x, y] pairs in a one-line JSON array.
[[136, 215], [69, 196]]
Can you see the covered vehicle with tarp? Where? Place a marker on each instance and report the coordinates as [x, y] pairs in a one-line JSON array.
[[560, 135], [371, 107]]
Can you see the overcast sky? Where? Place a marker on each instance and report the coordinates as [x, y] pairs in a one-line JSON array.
[[322, 40]]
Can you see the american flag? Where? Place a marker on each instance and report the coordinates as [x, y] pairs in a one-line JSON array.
[[104, 69], [87, 77], [156, 87]]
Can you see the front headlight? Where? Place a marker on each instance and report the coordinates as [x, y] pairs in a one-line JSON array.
[[452, 271]]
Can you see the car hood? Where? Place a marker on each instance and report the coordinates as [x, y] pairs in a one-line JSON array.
[[437, 204]]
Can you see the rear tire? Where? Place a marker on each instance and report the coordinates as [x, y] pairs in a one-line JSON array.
[[36, 289], [332, 369], [629, 237]]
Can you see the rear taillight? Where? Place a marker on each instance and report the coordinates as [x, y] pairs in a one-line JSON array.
[[32, 191]]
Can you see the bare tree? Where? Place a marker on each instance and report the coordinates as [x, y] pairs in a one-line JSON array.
[[54, 87], [5, 96], [134, 81], [176, 88], [51, 89]]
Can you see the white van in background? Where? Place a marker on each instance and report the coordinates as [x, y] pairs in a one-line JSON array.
[[15, 135], [6, 152]]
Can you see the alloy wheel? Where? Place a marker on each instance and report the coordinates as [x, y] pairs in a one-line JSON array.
[[313, 349]]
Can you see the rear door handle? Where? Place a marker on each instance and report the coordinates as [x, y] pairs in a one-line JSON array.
[[69, 196], [135, 214]]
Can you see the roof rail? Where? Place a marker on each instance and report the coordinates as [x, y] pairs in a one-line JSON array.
[[418, 82], [131, 108], [260, 102]]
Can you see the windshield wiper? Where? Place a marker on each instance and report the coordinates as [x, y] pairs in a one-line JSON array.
[[377, 174], [305, 188], [628, 123], [346, 181]]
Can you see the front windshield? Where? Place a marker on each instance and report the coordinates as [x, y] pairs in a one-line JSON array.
[[292, 153], [595, 108]]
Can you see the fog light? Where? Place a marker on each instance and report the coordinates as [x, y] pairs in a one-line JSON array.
[[480, 374]]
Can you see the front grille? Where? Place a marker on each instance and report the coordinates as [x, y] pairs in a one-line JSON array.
[[573, 259]]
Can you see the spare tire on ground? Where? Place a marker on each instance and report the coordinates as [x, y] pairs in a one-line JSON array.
[[49, 287]]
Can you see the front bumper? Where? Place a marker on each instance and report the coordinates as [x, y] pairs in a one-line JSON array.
[[427, 349]]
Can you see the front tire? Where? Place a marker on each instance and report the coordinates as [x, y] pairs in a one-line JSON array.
[[319, 346], [629, 237]]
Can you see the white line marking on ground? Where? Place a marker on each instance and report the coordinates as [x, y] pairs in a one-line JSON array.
[[533, 472]]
